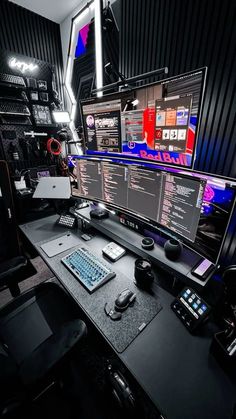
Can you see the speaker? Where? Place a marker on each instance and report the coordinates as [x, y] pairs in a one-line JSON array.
[[99, 213], [8, 235], [147, 243], [229, 276], [143, 273], [173, 249]]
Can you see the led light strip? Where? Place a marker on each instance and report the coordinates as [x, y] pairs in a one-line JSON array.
[[98, 46], [96, 5]]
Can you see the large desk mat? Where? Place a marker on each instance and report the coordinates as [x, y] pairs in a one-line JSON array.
[[119, 333]]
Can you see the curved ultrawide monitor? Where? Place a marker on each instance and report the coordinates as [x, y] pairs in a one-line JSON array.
[[157, 122], [194, 207]]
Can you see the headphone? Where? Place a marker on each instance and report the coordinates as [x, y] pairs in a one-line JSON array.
[[229, 275], [120, 389], [229, 279], [54, 146]]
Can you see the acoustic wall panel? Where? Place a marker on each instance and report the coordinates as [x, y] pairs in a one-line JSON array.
[[184, 35], [27, 33]]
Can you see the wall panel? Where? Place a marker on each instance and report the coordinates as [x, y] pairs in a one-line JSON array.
[[27, 33], [184, 35]]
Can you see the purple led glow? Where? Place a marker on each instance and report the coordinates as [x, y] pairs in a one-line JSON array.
[[81, 46], [208, 193]]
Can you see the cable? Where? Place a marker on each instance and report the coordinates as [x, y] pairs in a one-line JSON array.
[[54, 146]]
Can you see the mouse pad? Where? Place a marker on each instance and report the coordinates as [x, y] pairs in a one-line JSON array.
[[120, 334], [134, 320]]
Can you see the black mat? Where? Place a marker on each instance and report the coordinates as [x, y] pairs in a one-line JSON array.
[[119, 333], [133, 321]]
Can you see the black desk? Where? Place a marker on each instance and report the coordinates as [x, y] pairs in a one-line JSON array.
[[174, 368]]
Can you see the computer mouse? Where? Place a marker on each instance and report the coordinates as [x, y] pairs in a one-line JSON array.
[[124, 299]]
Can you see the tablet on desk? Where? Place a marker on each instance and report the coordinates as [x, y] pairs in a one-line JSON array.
[[59, 245]]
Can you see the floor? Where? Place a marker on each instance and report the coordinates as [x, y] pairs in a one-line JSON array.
[[43, 274]]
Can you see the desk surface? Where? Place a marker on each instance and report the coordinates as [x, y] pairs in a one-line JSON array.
[[173, 367]]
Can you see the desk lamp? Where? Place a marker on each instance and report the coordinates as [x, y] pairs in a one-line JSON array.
[[73, 145], [61, 117], [127, 83]]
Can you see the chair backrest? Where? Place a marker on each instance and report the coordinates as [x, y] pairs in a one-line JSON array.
[[9, 241]]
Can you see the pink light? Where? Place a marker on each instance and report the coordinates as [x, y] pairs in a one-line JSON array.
[[208, 193], [84, 33]]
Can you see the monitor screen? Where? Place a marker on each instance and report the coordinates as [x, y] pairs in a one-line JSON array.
[[131, 187], [217, 208], [170, 200], [157, 122]]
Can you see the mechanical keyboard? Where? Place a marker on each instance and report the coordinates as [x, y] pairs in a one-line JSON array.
[[88, 269], [14, 108], [9, 79]]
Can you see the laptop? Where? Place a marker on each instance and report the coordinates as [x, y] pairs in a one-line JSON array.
[[53, 188]]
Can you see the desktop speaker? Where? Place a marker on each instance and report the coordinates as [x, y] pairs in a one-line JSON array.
[[173, 249], [143, 273], [147, 243], [228, 276], [99, 213]]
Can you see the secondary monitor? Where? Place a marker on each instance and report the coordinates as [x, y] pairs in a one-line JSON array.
[[156, 122], [170, 200], [216, 216]]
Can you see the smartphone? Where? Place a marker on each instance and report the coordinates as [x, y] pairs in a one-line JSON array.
[[203, 269]]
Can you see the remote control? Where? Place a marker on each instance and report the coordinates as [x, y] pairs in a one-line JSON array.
[[113, 251], [86, 237]]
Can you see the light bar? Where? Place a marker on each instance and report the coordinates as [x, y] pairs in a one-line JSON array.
[[98, 46], [61, 117], [76, 22]]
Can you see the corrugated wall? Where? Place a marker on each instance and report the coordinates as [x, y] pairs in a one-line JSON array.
[[184, 35], [29, 34]]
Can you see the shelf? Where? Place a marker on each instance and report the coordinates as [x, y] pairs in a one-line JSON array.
[[132, 240]]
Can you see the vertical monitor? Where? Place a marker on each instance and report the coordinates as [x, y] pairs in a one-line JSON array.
[[157, 122]]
